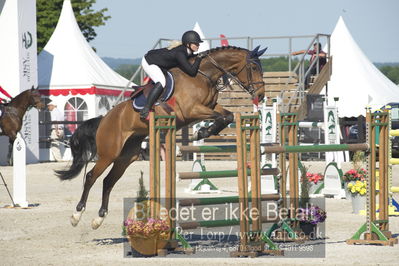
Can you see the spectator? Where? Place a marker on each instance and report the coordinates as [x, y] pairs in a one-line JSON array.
[[317, 51], [57, 130]]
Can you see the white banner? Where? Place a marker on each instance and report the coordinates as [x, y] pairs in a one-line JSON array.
[[331, 134], [269, 130], [19, 73]]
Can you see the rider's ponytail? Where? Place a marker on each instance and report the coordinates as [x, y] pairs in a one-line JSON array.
[[173, 44]]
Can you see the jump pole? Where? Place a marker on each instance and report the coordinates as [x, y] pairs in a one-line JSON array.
[[393, 204], [19, 172], [287, 134], [252, 239], [156, 125], [376, 231]]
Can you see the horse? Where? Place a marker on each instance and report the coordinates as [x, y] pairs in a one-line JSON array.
[[14, 111], [120, 132]]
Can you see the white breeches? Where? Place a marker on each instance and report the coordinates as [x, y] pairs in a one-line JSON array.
[[154, 72]]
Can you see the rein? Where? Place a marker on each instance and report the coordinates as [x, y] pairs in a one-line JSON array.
[[250, 87]]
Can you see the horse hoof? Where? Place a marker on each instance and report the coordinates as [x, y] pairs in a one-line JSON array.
[[75, 218], [95, 224]]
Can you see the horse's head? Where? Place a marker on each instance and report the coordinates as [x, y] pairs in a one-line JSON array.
[[35, 99], [251, 74], [240, 65]]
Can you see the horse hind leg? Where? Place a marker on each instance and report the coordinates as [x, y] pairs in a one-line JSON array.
[[90, 179], [130, 153], [80, 208]]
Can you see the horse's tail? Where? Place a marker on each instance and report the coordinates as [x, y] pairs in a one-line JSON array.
[[83, 148]]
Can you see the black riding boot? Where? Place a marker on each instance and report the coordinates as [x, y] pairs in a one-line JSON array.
[[151, 99]]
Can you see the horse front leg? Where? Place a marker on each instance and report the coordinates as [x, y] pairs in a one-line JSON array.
[[222, 118], [11, 139]]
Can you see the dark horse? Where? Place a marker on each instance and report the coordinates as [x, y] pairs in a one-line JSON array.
[[120, 132], [13, 113]]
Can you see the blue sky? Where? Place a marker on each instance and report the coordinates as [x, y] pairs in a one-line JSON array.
[[135, 26]]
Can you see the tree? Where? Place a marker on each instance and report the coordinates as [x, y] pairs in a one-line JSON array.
[[127, 71], [392, 72], [48, 13]]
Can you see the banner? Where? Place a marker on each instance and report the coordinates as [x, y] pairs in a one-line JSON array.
[[18, 67], [331, 134]]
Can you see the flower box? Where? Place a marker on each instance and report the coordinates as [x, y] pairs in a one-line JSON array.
[[147, 236], [308, 229], [146, 246]]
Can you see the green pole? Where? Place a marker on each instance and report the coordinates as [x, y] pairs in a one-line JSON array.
[[222, 200], [222, 173], [317, 148], [221, 223]]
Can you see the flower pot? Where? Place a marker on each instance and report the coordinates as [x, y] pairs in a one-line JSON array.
[[146, 247], [308, 229], [348, 194], [358, 202]]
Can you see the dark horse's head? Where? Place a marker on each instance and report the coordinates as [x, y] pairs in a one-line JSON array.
[[35, 99]]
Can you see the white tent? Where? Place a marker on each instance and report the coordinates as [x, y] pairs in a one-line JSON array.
[[355, 80], [68, 67], [74, 76], [204, 46]]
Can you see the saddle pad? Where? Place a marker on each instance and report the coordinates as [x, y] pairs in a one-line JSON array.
[[140, 100]]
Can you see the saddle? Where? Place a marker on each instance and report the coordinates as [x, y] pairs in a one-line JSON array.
[[140, 93]]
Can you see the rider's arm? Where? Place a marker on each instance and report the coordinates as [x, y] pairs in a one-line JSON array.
[[186, 66]]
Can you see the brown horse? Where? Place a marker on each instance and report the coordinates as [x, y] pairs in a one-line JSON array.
[[14, 111], [120, 132]]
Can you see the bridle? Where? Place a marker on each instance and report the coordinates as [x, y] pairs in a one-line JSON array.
[[251, 87]]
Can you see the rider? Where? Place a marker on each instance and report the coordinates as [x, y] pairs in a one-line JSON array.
[[156, 62]]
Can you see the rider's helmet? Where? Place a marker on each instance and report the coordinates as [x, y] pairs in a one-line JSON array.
[[190, 37]]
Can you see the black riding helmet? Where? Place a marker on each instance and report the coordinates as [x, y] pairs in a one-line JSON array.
[[190, 37]]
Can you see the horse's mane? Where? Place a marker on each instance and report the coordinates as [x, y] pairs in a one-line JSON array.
[[19, 96], [207, 52]]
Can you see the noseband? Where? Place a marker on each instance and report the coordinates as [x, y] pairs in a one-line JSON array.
[[251, 87]]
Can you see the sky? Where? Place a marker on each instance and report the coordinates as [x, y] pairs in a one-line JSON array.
[[135, 26]]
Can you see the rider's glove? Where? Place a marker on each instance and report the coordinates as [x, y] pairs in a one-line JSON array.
[[201, 55]]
